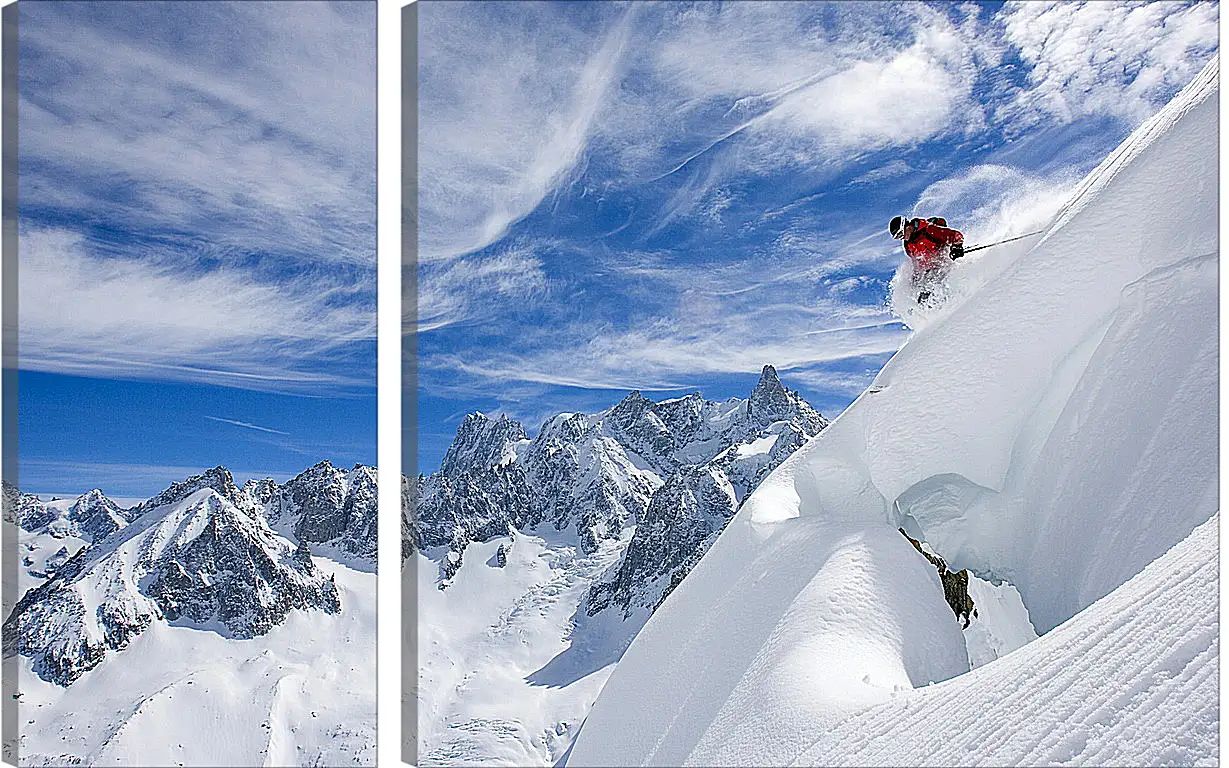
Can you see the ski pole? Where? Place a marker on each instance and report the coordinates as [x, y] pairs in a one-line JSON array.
[[1008, 240]]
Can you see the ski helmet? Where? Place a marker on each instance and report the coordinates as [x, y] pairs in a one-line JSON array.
[[897, 227]]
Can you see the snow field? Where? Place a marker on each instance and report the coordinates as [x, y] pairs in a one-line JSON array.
[[505, 674]]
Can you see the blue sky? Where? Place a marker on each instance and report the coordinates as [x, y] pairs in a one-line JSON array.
[[668, 196], [197, 240]]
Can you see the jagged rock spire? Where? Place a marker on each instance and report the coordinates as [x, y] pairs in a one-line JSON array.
[[481, 443], [218, 478], [770, 400]]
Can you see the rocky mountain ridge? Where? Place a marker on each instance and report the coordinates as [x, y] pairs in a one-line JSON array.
[[203, 553], [537, 559], [676, 470]]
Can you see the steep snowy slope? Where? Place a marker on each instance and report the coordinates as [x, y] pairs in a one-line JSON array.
[[1056, 427], [488, 693], [197, 561], [49, 533]]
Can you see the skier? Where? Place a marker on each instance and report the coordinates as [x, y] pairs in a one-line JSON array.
[[931, 246]]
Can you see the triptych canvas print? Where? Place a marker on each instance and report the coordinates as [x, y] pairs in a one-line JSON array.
[[777, 383]]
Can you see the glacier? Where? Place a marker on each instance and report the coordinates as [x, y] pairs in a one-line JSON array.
[[1054, 426]]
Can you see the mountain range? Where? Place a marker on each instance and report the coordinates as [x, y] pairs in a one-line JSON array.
[[569, 540], [204, 553]]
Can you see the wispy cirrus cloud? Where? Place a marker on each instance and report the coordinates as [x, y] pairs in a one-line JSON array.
[[665, 324], [465, 290], [246, 425], [146, 318], [718, 199], [494, 141], [198, 190], [512, 98], [668, 357]]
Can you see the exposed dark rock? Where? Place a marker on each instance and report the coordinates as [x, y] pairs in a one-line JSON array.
[[955, 583], [334, 509], [96, 517], [58, 559], [26, 509], [684, 516], [230, 575], [677, 470], [263, 492], [449, 565], [481, 443], [218, 478], [197, 558], [480, 506]]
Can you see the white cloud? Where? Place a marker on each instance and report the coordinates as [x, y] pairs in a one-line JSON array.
[[1105, 58], [848, 383], [259, 135], [900, 98], [719, 93], [512, 100], [892, 169], [198, 191], [698, 320], [113, 316], [467, 289], [819, 84], [506, 106], [669, 355]]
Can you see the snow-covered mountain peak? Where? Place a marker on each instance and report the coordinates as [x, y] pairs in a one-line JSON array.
[[97, 516], [197, 560], [332, 509], [769, 389], [91, 498], [596, 473], [632, 404], [564, 428], [203, 553], [218, 478], [26, 509], [260, 491], [566, 549], [482, 442], [770, 401]]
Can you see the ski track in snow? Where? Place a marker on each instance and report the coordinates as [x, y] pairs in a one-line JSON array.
[[1094, 691], [1054, 425]]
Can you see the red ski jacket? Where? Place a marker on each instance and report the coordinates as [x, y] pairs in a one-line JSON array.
[[928, 244]]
